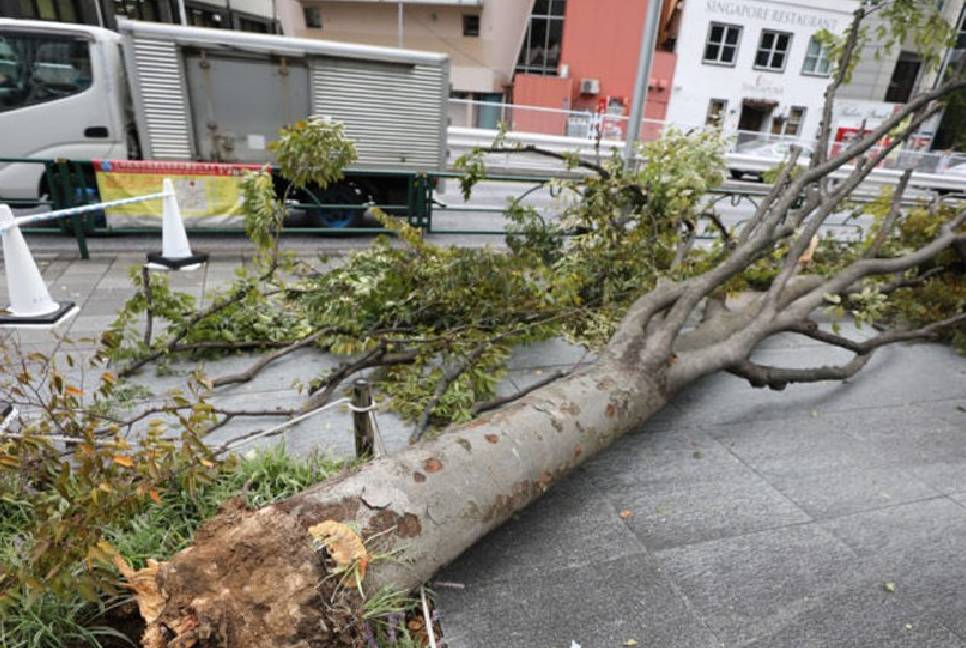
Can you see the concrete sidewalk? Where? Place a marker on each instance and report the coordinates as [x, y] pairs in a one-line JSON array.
[[756, 518]]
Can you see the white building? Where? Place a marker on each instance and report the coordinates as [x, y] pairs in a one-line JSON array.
[[754, 65]]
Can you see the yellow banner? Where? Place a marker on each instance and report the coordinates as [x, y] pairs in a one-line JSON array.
[[202, 189]]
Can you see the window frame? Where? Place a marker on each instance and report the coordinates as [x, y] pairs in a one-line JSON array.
[[550, 19], [722, 115], [906, 57], [722, 44], [799, 125], [772, 51], [317, 11], [56, 39], [35, 10], [823, 52], [140, 13], [468, 17]]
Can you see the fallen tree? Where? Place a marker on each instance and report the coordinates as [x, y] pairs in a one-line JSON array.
[[257, 578]]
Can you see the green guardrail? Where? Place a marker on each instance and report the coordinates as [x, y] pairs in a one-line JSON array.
[[72, 183]]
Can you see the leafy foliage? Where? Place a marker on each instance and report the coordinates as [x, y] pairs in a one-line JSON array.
[[64, 517], [313, 152]]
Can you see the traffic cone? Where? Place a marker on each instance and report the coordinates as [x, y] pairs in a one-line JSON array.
[[30, 303], [175, 251]]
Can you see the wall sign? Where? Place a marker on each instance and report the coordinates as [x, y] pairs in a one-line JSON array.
[[776, 15]]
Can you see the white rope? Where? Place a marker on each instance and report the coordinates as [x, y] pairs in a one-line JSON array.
[[287, 424], [380, 446], [355, 408], [71, 211]]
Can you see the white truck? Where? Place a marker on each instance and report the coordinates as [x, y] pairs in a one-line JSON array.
[[156, 91]]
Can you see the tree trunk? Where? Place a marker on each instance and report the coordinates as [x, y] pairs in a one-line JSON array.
[[251, 577]]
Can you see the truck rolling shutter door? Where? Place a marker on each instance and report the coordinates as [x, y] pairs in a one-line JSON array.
[[163, 122], [392, 112]]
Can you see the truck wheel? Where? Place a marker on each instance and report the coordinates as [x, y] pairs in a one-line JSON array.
[[340, 217]]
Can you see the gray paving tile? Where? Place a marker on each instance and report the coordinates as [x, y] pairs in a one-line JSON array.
[[570, 526], [798, 447], [906, 538], [551, 353], [663, 453], [936, 373], [680, 512], [554, 608], [749, 586], [834, 493], [862, 615]]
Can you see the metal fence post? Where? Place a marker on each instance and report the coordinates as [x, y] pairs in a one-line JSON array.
[[362, 418]]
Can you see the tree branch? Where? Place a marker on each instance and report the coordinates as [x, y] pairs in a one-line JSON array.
[[377, 357], [265, 360], [450, 374], [890, 220], [479, 408], [778, 378]]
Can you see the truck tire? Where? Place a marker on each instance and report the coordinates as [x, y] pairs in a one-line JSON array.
[[343, 193]]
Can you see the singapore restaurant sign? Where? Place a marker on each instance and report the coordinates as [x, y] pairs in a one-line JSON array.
[[777, 15]]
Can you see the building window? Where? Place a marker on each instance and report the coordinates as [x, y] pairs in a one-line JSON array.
[[772, 50], [721, 47], [471, 25], [793, 125], [39, 68], [540, 53], [313, 17], [61, 10], [198, 17], [137, 9], [903, 77], [961, 33], [253, 25], [716, 113], [816, 59]]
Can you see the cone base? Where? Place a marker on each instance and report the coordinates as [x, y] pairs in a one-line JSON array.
[[196, 259], [65, 310]]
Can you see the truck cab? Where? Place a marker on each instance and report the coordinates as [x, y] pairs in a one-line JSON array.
[[62, 95]]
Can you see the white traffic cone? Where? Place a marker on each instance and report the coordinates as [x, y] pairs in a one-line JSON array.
[[175, 252], [30, 303], [174, 240]]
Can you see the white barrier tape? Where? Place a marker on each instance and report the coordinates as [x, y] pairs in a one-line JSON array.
[[279, 428], [71, 211]]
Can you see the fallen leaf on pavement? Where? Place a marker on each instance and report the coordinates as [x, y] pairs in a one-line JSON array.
[[625, 514]]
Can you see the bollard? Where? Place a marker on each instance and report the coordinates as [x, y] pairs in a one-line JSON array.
[[362, 419]]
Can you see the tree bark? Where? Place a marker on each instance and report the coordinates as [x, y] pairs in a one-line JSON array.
[[250, 577]]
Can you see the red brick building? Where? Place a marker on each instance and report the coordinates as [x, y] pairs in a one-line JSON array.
[[581, 55]]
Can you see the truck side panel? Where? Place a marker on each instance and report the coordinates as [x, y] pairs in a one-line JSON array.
[[154, 70], [238, 104], [392, 102], [391, 111]]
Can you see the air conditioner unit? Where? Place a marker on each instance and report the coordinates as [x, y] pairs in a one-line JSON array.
[[589, 86]]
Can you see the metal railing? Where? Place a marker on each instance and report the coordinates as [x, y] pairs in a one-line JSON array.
[[591, 127]]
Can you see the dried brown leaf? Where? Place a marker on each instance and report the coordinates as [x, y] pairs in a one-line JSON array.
[[344, 545]]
